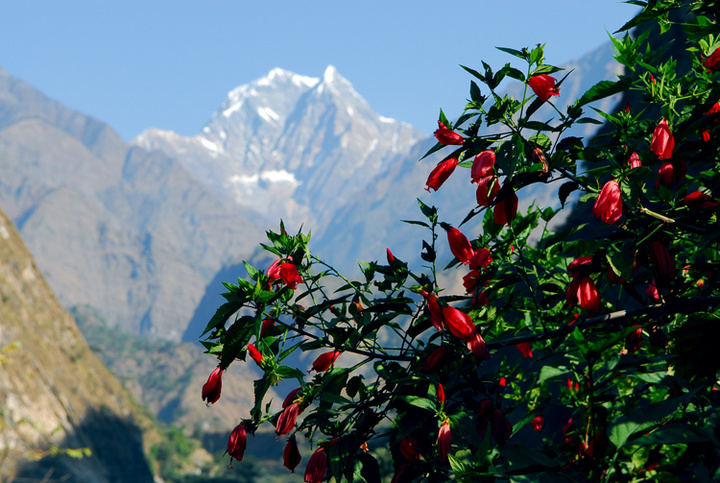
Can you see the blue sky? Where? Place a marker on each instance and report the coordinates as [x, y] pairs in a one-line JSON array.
[[169, 63]]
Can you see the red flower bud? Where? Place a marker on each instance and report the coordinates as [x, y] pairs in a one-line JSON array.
[[525, 349], [444, 441], [538, 423], [662, 142], [634, 161], [390, 256], [459, 245], [672, 172], [324, 362], [447, 136], [434, 358], [211, 389], [290, 398], [255, 355], [237, 442], [698, 199], [436, 317], [470, 281], [705, 135], [441, 173], [440, 394], [503, 382], [608, 206], [266, 323], [506, 209], [287, 419], [459, 323], [662, 263], [485, 194], [291, 455], [587, 295], [482, 166], [316, 467], [712, 63], [543, 86], [634, 340]]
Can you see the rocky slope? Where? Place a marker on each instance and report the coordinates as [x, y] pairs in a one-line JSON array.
[[64, 416]]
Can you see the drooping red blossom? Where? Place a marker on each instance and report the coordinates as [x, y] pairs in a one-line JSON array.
[[506, 209], [662, 143], [409, 448], [441, 173], [317, 466], [608, 206], [503, 382], [538, 423], [634, 161], [481, 299], [582, 289], [212, 388], [712, 63], [634, 340], [290, 398], [672, 172], [579, 263], [705, 135], [287, 419], [587, 294], [713, 110], [483, 166], [444, 441], [487, 190], [266, 323], [480, 259], [470, 281], [698, 199], [662, 263], [459, 323], [237, 442], [446, 136], [255, 355], [434, 358], [569, 426], [652, 78], [460, 245], [324, 361], [543, 86], [436, 316], [291, 455], [478, 347], [440, 394], [390, 256], [525, 349], [500, 427]]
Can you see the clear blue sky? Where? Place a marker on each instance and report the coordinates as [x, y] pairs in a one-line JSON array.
[[137, 64]]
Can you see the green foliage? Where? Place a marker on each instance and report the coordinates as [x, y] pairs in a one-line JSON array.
[[587, 350]]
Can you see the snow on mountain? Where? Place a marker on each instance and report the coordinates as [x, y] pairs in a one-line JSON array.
[[290, 146]]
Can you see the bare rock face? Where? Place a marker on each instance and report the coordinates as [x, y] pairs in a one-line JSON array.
[[64, 415]]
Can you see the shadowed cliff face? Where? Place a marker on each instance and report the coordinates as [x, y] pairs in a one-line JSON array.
[[56, 397]]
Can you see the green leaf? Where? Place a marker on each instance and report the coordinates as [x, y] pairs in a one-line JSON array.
[[222, 314], [513, 52], [420, 402], [675, 434], [622, 259], [286, 372], [601, 90]]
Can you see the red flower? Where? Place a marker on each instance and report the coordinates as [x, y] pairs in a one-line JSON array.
[[444, 441], [470, 281], [705, 135], [459, 323], [291, 455], [543, 86], [503, 382], [608, 206], [506, 209], [287, 419], [698, 199], [434, 358], [436, 317], [587, 295], [482, 166], [390, 256], [672, 172], [662, 142], [634, 340], [485, 194], [441, 172], [290, 398], [713, 110], [255, 354], [634, 161], [286, 271], [440, 394], [652, 291], [481, 299], [446, 136], [712, 63], [316, 467], [662, 263], [237, 442], [525, 349], [211, 389], [324, 362], [478, 347], [538, 423], [266, 323], [459, 245], [409, 448], [480, 259]]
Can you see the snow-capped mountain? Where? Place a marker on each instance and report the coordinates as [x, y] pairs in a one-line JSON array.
[[290, 146]]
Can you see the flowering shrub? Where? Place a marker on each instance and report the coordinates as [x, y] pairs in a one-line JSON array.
[[588, 350]]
